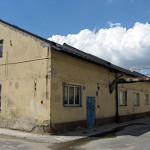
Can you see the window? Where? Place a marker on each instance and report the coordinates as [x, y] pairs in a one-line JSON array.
[[123, 98], [1, 48], [72, 95], [146, 99], [0, 96], [136, 99]]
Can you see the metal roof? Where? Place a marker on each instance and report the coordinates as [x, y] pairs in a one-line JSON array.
[[91, 58], [77, 53]]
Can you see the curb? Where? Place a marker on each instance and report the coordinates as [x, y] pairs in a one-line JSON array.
[[72, 136]]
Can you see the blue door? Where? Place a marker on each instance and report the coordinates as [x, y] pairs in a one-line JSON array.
[[90, 111]]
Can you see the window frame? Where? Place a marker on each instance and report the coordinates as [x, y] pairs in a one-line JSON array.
[[146, 102], [80, 95], [135, 94], [1, 50], [124, 101]]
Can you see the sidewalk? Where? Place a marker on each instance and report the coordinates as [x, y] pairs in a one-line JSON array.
[[75, 135]]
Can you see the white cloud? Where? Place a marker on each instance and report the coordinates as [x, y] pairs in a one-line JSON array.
[[121, 46], [114, 24]]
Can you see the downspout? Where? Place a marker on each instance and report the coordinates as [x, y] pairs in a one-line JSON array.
[[117, 108]]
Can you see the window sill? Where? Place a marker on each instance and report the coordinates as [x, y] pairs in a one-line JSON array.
[[122, 105], [72, 105]]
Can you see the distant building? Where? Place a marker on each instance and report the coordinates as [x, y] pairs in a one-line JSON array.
[[45, 86]]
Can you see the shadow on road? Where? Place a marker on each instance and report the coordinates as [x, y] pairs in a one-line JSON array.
[[134, 129]]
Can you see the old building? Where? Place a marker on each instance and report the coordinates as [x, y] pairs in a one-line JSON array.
[[45, 86]]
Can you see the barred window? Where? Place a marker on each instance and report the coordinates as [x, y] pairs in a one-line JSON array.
[[72, 95]]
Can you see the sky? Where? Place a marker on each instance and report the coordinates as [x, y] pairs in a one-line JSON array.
[[115, 30]]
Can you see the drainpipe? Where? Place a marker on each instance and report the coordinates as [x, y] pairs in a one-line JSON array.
[[117, 109]]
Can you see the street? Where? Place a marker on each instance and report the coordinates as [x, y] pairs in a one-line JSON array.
[[134, 136], [131, 137], [10, 143]]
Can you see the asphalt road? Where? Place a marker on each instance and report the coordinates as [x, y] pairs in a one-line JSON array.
[[133, 137], [10, 143]]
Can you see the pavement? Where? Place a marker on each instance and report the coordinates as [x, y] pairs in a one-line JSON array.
[[133, 137], [71, 136]]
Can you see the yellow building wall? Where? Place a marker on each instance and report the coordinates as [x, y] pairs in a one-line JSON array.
[[72, 70], [25, 80], [32, 73], [141, 88]]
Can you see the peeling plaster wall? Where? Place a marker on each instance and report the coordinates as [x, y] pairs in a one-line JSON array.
[[141, 88], [25, 70], [31, 75], [75, 71]]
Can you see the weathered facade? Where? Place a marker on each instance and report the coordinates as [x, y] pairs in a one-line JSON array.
[[50, 87], [24, 79]]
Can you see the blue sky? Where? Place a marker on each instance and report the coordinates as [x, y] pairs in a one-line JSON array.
[[50, 17], [115, 30]]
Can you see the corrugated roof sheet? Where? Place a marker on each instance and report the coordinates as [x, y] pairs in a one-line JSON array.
[[88, 57], [78, 53]]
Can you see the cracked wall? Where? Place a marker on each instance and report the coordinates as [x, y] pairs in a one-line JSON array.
[[75, 71], [25, 79]]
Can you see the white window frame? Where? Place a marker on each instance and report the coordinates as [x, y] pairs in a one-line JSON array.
[[69, 86], [136, 99], [123, 98], [146, 99]]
